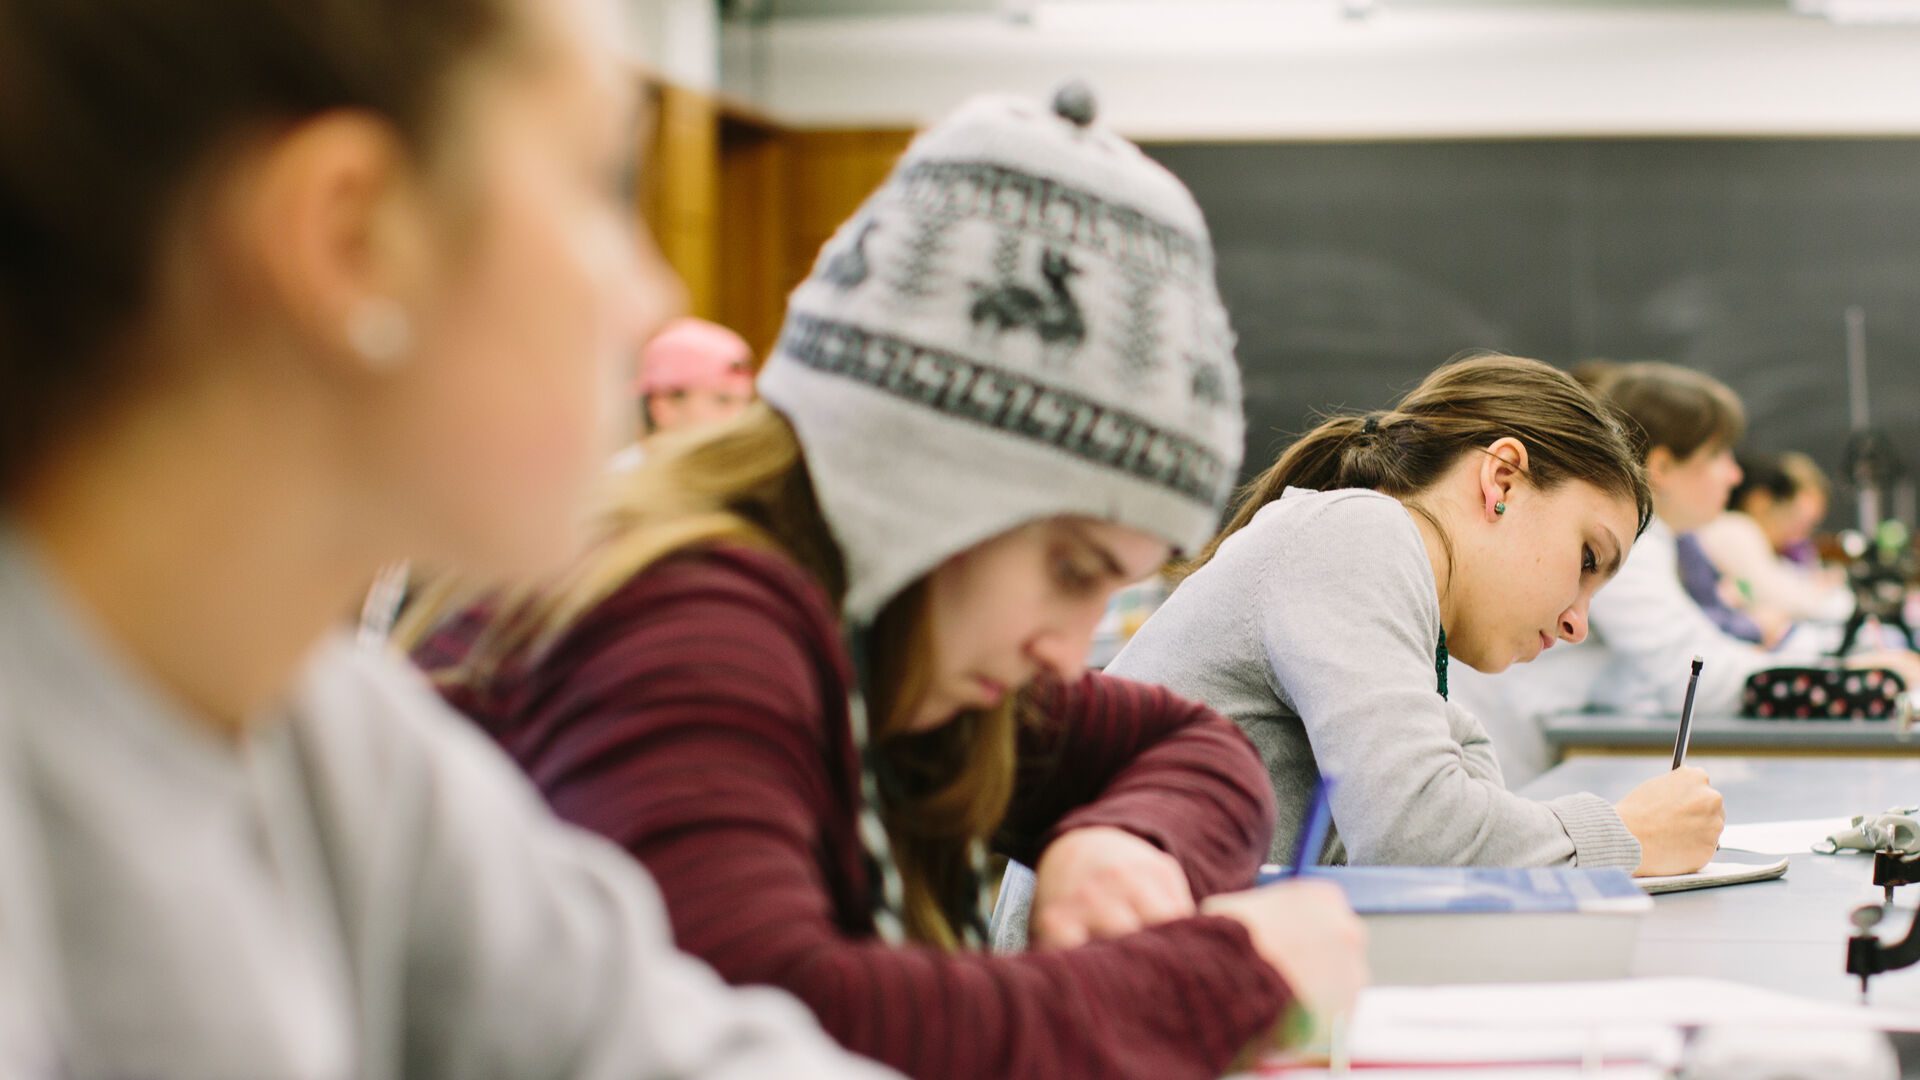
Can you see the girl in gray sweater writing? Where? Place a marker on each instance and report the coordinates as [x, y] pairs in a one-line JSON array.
[[1472, 521]]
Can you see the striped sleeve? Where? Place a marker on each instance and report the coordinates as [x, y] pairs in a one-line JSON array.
[[1109, 751]]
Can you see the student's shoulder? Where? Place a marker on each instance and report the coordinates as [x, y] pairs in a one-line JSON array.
[[1342, 524], [1349, 508], [745, 625], [722, 593], [1732, 531], [368, 724], [728, 574]]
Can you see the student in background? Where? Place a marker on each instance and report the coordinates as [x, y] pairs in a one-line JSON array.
[[1720, 598], [287, 291], [691, 374], [1645, 626], [1126, 613], [1774, 509], [826, 657], [1473, 521], [1804, 553]]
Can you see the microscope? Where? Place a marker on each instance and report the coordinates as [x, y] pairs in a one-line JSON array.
[[1894, 839]]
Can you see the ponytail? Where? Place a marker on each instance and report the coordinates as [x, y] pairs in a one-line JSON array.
[[1461, 407]]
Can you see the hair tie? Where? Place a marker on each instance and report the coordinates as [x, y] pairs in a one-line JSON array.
[[1372, 426]]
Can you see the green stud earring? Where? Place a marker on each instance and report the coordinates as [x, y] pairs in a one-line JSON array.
[[1499, 508]]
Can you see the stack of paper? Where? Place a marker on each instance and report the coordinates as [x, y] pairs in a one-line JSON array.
[[1780, 837], [1510, 1031]]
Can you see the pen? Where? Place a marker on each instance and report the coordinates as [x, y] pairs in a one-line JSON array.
[[1686, 716], [1313, 830]]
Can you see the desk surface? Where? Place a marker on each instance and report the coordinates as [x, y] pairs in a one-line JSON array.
[[1789, 934], [1614, 732]]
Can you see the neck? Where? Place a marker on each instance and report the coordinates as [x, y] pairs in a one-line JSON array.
[[1436, 546], [205, 544]]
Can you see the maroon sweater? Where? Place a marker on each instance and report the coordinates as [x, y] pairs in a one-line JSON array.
[[699, 717]]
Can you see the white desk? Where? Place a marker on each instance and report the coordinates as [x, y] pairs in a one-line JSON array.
[[1790, 934]]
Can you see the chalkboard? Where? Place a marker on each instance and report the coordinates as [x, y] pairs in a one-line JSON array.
[[1351, 270]]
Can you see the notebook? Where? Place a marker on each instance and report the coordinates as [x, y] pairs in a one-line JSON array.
[[1729, 867]]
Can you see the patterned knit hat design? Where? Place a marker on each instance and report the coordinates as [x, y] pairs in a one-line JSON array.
[[1022, 322]]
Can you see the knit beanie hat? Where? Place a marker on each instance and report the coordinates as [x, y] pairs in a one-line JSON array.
[[694, 354], [1022, 322]]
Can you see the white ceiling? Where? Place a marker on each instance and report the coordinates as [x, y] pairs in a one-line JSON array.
[[1258, 69]]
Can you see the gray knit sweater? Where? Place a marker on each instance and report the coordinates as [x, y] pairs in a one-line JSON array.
[[1315, 629]]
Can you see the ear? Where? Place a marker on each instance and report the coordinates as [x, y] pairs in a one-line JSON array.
[[1502, 468], [1660, 465], [333, 222]]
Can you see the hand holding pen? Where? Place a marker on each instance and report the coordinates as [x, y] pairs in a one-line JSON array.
[[1676, 816], [1686, 714]]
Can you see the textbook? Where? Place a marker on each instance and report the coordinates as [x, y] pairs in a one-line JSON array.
[[1473, 924]]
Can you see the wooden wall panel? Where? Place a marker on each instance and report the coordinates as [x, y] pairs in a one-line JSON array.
[[755, 163], [740, 206], [834, 172], [687, 168], [783, 193]]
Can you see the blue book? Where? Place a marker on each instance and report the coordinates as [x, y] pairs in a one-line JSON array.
[[1453, 924], [1409, 889]]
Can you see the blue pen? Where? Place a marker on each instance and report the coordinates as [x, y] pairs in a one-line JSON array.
[[1313, 830]]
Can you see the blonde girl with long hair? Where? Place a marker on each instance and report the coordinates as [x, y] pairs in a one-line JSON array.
[[822, 661]]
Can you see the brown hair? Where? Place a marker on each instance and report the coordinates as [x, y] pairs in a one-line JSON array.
[[112, 110], [745, 481], [1781, 476], [1671, 406], [1460, 408]]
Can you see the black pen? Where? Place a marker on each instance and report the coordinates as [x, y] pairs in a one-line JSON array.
[[1686, 716]]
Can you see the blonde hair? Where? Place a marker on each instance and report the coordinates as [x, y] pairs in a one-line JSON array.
[[942, 792]]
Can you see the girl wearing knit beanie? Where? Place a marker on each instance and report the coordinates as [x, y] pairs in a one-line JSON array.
[[823, 661], [1473, 521]]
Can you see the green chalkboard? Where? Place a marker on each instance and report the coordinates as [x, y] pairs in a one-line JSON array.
[[1352, 269]]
